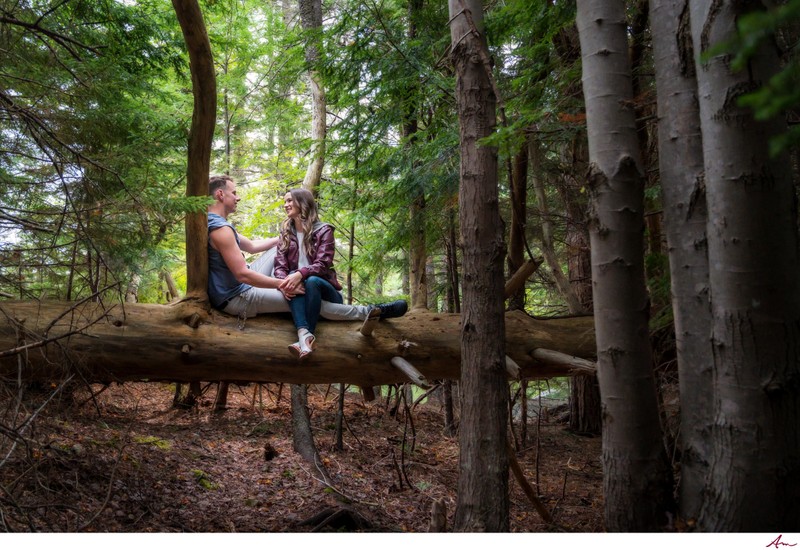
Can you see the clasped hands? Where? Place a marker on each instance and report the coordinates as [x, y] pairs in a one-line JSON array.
[[292, 285]]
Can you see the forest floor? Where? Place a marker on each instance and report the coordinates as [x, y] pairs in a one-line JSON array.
[[127, 461]]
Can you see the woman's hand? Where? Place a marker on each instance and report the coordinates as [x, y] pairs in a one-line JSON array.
[[289, 294], [291, 283]]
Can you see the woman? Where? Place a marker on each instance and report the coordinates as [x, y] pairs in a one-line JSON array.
[[305, 258]]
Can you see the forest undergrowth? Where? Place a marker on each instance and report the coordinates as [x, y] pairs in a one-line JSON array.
[[122, 459]]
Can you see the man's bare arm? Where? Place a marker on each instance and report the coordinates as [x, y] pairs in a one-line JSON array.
[[254, 246], [224, 241]]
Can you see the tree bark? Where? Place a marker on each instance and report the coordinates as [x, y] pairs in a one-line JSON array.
[[754, 275], [680, 153], [637, 477], [311, 21], [303, 441], [158, 342], [483, 502], [204, 90]]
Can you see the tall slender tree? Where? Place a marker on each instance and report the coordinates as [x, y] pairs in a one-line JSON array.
[[754, 275], [680, 153], [637, 478], [483, 465], [311, 21], [204, 90], [418, 253], [518, 185]]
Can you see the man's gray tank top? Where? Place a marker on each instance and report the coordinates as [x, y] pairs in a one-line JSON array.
[[222, 285]]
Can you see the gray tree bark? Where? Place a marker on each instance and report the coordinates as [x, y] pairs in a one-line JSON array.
[[311, 21], [637, 478], [754, 273], [680, 153], [483, 502]]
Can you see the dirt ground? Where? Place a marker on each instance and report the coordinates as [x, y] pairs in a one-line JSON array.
[[126, 461]]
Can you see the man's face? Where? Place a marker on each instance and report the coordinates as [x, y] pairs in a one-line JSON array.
[[228, 197]]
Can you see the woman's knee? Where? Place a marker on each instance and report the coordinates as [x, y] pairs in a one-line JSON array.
[[314, 284]]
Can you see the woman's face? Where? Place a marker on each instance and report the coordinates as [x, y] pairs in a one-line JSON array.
[[291, 208]]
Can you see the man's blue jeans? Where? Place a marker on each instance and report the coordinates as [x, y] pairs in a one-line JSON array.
[[306, 307]]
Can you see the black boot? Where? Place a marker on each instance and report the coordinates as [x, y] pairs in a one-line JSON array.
[[390, 310]]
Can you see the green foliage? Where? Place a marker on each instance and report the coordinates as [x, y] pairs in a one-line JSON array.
[[93, 165], [394, 137], [553, 388], [94, 168]]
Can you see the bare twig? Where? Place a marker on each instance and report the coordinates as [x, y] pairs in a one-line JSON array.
[[44, 341]]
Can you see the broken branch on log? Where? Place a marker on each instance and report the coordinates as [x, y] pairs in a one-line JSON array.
[[576, 365], [408, 369]]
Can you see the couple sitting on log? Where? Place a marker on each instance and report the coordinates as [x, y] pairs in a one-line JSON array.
[[294, 274]]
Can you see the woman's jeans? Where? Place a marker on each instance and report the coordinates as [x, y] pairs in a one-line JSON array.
[[306, 307]]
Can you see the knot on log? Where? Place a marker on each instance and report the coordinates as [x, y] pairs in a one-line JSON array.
[[193, 320]]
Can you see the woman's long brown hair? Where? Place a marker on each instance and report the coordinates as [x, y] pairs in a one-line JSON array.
[[304, 199]]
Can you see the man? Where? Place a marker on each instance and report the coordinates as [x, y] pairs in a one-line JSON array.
[[247, 290]]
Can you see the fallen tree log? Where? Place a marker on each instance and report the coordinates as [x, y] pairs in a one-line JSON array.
[[185, 342]]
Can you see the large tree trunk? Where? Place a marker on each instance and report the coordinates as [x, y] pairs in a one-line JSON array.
[[483, 502], [158, 342], [684, 201], [204, 116], [754, 273], [636, 471]]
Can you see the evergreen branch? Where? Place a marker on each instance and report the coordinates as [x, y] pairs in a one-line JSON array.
[[68, 43]]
